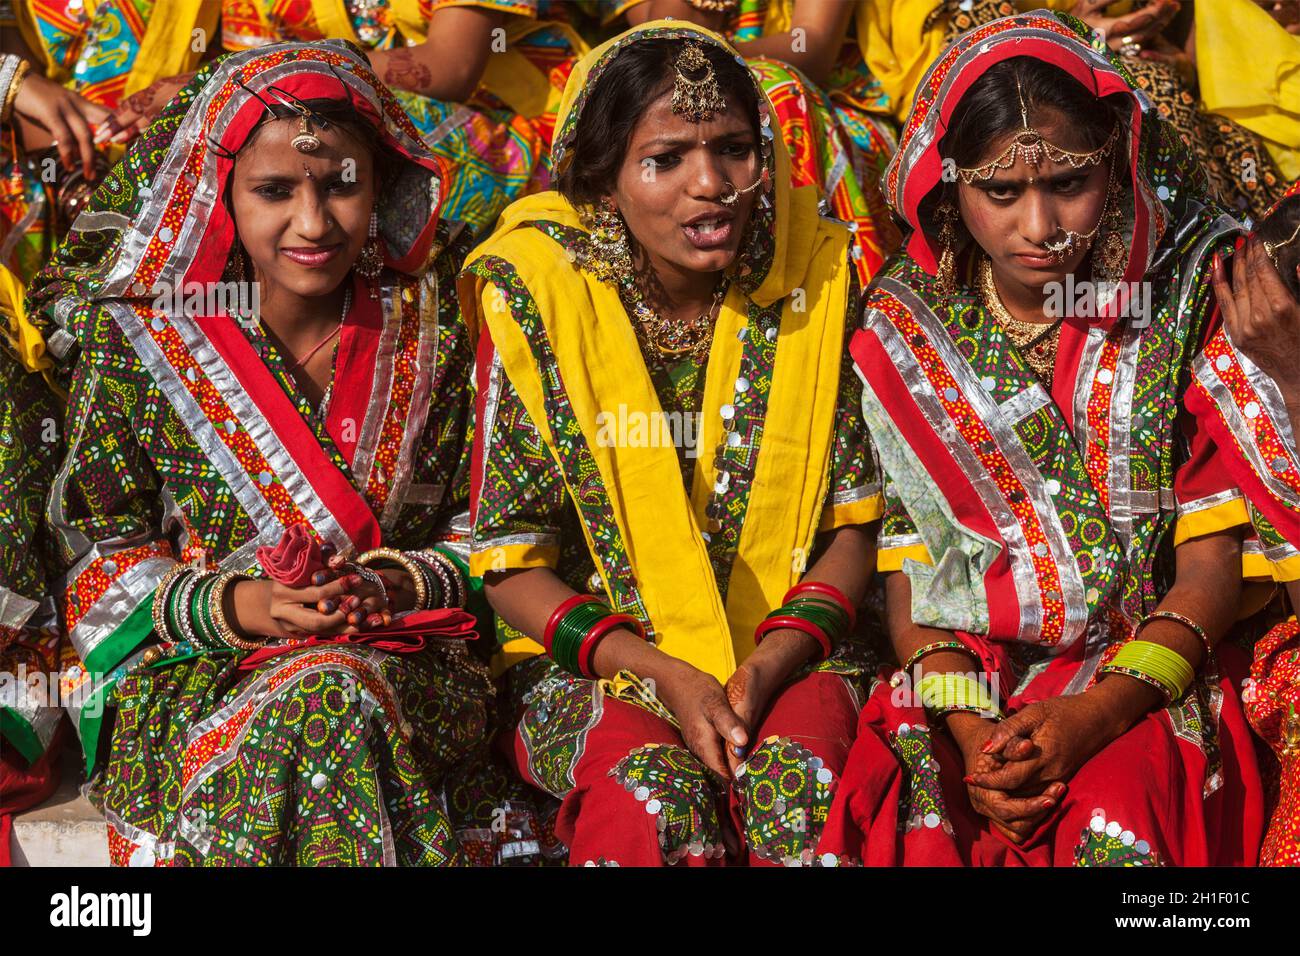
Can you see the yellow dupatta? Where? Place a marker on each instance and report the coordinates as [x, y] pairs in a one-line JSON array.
[[602, 369], [1248, 69]]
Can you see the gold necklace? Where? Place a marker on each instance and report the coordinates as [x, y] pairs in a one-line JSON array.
[[677, 339], [1036, 342]]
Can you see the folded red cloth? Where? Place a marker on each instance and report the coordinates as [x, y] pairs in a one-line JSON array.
[[294, 559], [407, 634]]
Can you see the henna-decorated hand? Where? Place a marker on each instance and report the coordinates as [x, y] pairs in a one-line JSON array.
[[1016, 814], [138, 110]]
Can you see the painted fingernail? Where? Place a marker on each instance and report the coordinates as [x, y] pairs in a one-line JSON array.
[[1047, 804], [988, 746], [351, 602], [374, 620], [387, 617], [326, 606], [968, 779], [356, 618], [319, 578]]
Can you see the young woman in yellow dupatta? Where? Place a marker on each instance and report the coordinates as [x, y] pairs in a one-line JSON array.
[[670, 467], [830, 110]]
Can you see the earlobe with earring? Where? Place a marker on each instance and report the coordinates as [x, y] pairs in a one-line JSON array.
[[606, 252], [371, 261]]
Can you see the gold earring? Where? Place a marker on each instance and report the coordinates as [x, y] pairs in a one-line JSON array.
[[606, 252], [371, 261], [1111, 251], [947, 215]]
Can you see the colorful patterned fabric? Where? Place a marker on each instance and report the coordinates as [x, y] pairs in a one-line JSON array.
[[105, 51], [840, 152], [172, 455], [1245, 412], [632, 794], [1047, 519], [321, 757], [1272, 699], [498, 142], [30, 428]]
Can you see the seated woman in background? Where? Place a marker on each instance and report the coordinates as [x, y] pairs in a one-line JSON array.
[[1246, 394], [669, 467], [1065, 555], [337, 402]]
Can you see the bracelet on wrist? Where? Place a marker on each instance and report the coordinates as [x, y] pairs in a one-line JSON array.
[[13, 70], [1182, 619], [933, 648], [1161, 667], [942, 693], [577, 626]]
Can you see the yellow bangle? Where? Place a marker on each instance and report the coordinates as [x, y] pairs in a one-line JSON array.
[[943, 692], [1158, 665]]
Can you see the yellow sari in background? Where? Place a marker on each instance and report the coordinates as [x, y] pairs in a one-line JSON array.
[[1249, 71]]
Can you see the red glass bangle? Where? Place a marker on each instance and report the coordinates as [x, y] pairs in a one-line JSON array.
[[794, 624], [567, 605], [598, 632], [825, 590]]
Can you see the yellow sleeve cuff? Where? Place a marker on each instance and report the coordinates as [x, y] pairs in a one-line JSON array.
[[1197, 524], [1286, 570], [508, 557], [891, 559], [512, 652], [1256, 567], [862, 511]]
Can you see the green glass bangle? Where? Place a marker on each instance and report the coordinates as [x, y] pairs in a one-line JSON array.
[[170, 622], [569, 633], [833, 621], [201, 612]]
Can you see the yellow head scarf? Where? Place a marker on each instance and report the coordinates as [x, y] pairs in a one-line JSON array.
[[601, 368]]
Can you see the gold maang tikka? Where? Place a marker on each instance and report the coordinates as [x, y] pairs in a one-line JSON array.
[[695, 88], [1031, 146]]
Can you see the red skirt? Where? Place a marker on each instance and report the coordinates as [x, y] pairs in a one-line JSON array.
[[1181, 787]]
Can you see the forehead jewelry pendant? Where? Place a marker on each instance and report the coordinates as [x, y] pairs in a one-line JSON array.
[[305, 141], [695, 88]]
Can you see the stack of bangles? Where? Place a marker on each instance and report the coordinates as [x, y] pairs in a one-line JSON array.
[[435, 576], [1156, 665], [189, 606], [943, 693], [820, 610], [577, 626]]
